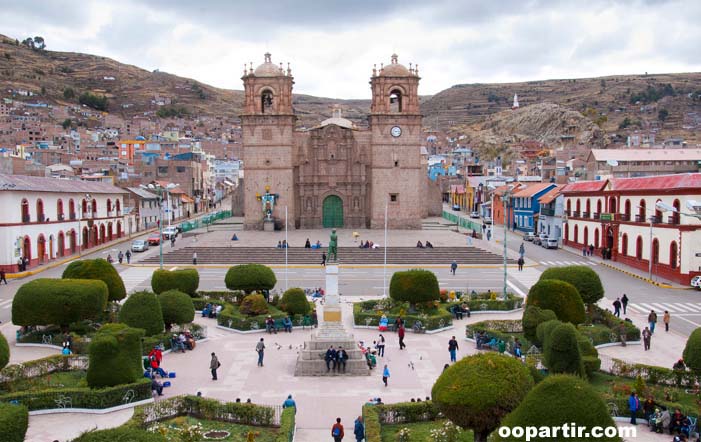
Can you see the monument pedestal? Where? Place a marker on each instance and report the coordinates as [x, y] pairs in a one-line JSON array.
[[268, 226], [331, 332]]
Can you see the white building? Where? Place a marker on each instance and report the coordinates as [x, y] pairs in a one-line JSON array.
[[46, 218], [552, 209]]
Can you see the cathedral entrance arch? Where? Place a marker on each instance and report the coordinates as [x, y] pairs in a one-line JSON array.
[[332, 215]]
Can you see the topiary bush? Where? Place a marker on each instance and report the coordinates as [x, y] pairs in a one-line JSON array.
[[414, 286], [253, 305], [101, 270], [583, 278], [184, 280], [58, 301], [692, 351], [560, 297], [294, 302], [532, 317], [478, 391], [544, 329], [4, 351], [142, 310], [115, 356], [14, 420], [250, 278], [561, 353], [177, 308], [121, 434], [556, 401]]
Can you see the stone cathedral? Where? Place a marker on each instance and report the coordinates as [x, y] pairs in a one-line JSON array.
[[334, 174]]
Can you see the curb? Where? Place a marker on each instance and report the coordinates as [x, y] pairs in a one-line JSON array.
[[642, 278], [427, 332], [345, 266], [91, 410]]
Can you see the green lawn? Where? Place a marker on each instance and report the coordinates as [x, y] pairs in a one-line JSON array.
[[604, 384], [419, 432], [67, 379], [238, 432]]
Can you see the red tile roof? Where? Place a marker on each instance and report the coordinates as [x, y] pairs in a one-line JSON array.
[[660, 182], [550, 196], [583, 186], [532, 190]]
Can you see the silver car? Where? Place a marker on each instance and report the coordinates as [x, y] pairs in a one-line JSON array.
[[139, 245]]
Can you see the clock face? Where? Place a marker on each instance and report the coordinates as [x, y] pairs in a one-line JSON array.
[[396, 131]]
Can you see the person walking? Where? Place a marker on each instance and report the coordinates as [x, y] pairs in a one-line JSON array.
[[381, 346], [665, 319], [400, 332], [453, 267], [128, 255], [323, 259], [385, 374], [260, 349], [359, 429], [194, 258], [633, 405], [624, 303], [214, 364], [522, 250], [652, 320], [647, 335], [120, 256], [453, 348], [3, 276], [337, 431], [469, 240], [617, 307], [289, 402], [520, 264]]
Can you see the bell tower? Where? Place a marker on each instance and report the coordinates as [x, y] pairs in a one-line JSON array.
[[267, 124], [397, 177]]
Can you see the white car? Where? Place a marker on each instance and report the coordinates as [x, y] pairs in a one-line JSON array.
[[529, 236], [696, 282], [170, 231], [474, 215], [550, 243], [487, 219], [139, 245]]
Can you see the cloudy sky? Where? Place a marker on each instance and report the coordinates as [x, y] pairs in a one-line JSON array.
[[332, 45]]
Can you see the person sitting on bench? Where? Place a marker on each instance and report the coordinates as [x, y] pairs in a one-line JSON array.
[[419, 245], [429, 245]]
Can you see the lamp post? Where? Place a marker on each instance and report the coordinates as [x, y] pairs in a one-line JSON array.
[[159, 189], [506, 198], [384, 272]]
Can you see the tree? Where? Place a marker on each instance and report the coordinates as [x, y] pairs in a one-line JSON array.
[[583, 278], [414, 286], [28, 42], [66, 123], [561, 352], [47, 301], [254, 305], [4, 351], [14, 421], [97, 102], [184, 280], [115, 356], [559, 296], [43, 90], [68, 93], [101, 270], [478, 391], [544, 330], [39, 43], [250, 277], [177, 308], [556, 401], [142, 310], [692, 351], [662, 114], [294, 302], [532, 317]]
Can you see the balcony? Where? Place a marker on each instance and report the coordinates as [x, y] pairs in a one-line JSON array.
[[623, 217], [586, 214], [61, 216], [657, 220], [41, 218], [25, 219], [673, 220], [639, 218], [568, 213], [575, 214], [596, 215], [547, 211], [71, 216]]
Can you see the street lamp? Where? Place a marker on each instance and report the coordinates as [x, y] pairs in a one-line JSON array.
[[159, 189], [506, 198]]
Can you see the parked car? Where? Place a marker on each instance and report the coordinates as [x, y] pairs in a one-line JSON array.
[[456, 207], [139, 245], [551, 243], [170, 231], [696, 282], [154, 239], [474, 215], [540, 239], [529, 236], [487, 219]]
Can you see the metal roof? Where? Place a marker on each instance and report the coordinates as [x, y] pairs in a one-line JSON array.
[[646, 154], [583, 186], [661, 182], [42, 184], [533, 190]]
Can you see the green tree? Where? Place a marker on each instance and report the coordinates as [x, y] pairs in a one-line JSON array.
[[39, 43], [97, 102], [692, 351], [66, 123], [177, 308], [583, 278], [254, 305], [561, 352], [115, 356], [142, 310], [478, 391], [68, 94], [532, 317], [184, 280], [294, 302], [559, 296], [662, 114], [14, 421], [414, 286], [556, 401], [101, 270], [43, 90], [250, 277], [4, 351]]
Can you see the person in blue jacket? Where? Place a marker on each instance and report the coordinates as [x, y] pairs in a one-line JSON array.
[[633, 406]]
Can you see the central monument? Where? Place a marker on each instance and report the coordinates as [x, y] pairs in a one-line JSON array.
[[311, 360]]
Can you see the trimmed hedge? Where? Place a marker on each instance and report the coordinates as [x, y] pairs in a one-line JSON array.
[[561, 350], [365, 314], [115, 356], [101, 270], [120, 434], [14, 421], [653, 374], [254, 305], [58, 301], [250, 278], [177, 308], [583, 278], [4, 351], [478, 391], [183, 280], [232, 317], [287, 425], [692, 351], [294, 302], [142, 310], [37, 368], [532, 317], [482, 302], [560, 400], [373, 427], [414, 286], [560, 297]]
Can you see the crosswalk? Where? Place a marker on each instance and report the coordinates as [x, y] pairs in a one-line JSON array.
[[136, 277], [680, 308], [567, 263]]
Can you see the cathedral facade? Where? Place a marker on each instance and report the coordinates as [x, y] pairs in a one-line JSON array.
[[334, 174]]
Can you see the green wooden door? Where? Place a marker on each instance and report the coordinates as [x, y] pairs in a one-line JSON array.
[[332, 211]]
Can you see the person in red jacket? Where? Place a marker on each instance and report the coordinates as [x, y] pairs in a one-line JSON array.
[[337, 431], [400, 333]]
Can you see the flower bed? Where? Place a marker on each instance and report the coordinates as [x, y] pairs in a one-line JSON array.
[[368, 313], [487, 302], [505, 330], [231, 317], [384, 422], [42, 367]]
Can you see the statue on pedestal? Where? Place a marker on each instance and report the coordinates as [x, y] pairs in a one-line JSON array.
[[268, 201], [333, 247]]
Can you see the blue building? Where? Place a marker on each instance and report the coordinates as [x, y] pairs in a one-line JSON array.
[[527, 207]]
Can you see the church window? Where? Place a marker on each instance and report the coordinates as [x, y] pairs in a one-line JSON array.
[[396, 163], [395, 101], [394, 197], [266, 101]]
